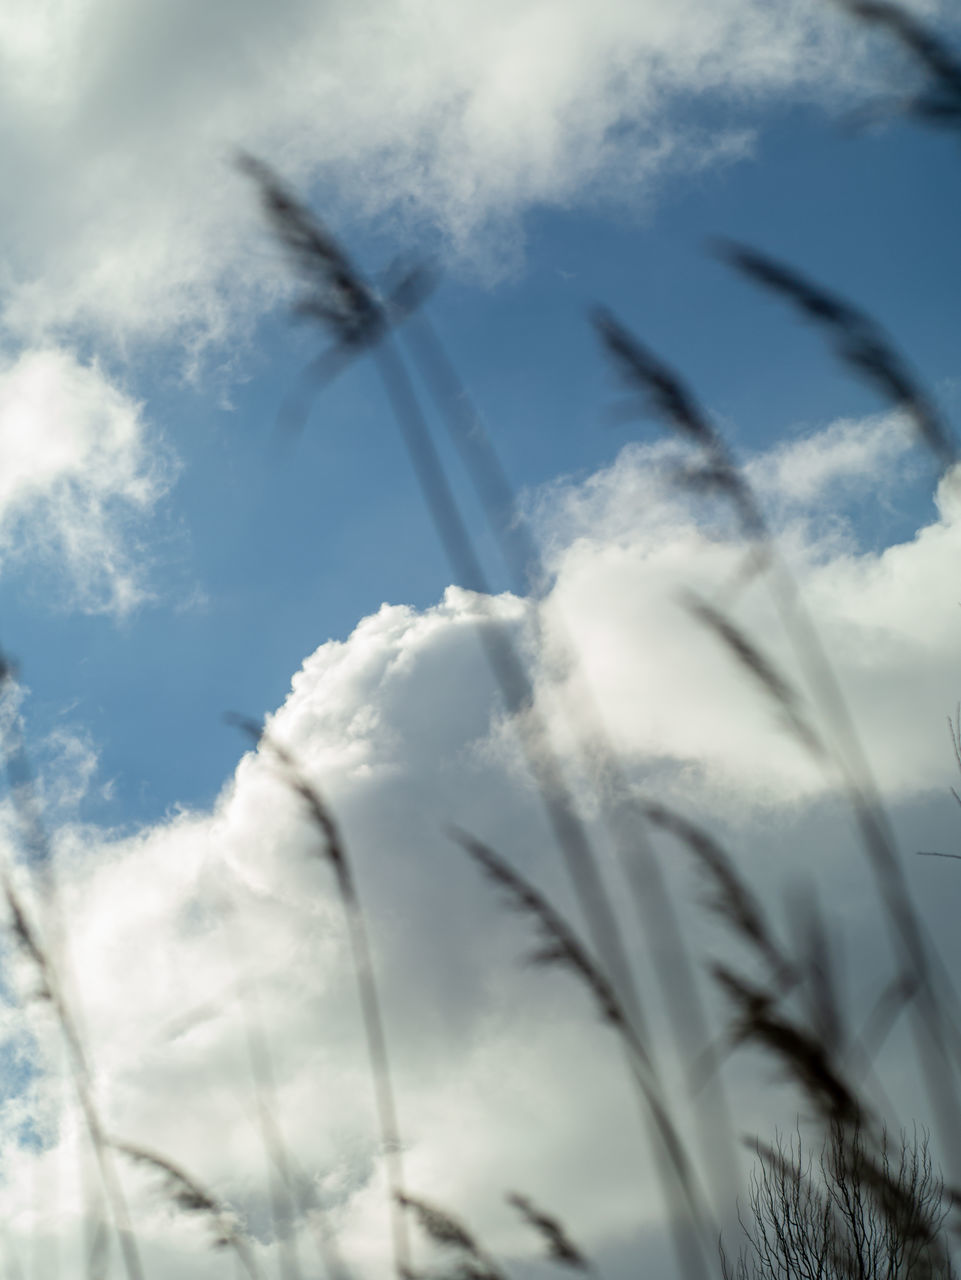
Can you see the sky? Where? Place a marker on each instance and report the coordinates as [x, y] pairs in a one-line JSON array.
[[169, 555]]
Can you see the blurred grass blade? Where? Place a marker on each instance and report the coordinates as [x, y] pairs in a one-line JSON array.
[[560, 1247], [860, 342]]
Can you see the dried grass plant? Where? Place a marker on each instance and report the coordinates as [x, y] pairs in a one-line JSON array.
[[785, 1003]]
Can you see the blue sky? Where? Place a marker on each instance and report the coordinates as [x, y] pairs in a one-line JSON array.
[[256, 554], [164, 559]]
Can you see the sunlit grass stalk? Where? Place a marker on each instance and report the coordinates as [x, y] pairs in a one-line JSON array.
[[448, 1232], [344, 304], [561, 946], [512, 679], [721, 474], [334, 853], [569, 832], [51, 990], [621, 814], [864, 347], [188, 1194], [280, 1181], [283, 1162], [38, 857], [815, 1056], [478, 455], [560, 1247], [339, 298]]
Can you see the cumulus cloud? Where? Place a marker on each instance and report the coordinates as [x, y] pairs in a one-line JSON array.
[[188, 936], [78, 472], [121, 213], [629, 545], [190, 940], [254, 931]]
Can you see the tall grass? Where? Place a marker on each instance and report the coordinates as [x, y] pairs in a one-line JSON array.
[[786, 1004]]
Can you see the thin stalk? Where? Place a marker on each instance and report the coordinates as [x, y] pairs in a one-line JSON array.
[[721, 473], [561, 946], [511, 677], [380, 1061], [50, 962], [335, 854], [265, 1101], [188, 1194], [340, 300], [622, 814], [80, 1071]]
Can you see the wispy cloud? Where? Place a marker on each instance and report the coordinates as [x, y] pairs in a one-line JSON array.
[[121, 213], [80, 471]]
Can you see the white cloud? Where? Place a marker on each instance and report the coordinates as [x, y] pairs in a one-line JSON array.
[[123, 218], [118, 120], [627, 546], [818, 469], [77, 474], [504, 1077]]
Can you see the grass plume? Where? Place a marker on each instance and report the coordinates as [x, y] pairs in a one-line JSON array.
[[730, 898], [859, 340], [937, 1009], [940, 103], [448, 1232], [190, 1196], [802, 1054], [560, 946], [50, 989], [662, 388], [560, 1247], [762, 669], [333, 851], [505, 663]]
